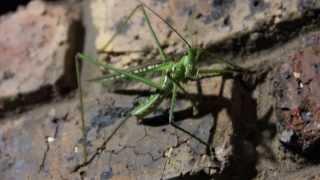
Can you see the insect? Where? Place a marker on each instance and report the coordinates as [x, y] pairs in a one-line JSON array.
[[174, 72]]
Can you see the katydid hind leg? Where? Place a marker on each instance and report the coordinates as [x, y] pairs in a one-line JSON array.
[[163, 55], [122, 25], [169, 25], [121, 71], [83, 125], [141, 6], [154, 68]]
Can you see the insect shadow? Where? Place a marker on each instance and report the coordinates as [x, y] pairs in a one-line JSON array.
[[248, 129], [206, 104]]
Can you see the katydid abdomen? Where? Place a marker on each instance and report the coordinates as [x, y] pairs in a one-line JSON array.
[[151, 103]]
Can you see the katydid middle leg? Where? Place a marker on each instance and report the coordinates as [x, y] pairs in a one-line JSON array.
[[171, 117], [172, 104], [189, 96]]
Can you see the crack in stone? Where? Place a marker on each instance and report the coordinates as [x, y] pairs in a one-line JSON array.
[[55, 134]]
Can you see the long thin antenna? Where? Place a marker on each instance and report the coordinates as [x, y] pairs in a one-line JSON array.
[[169, 25]]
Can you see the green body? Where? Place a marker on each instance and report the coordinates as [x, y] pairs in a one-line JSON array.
[[174, 73], [179, 71], [148, 105]]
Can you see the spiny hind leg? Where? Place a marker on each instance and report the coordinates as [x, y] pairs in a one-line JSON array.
[[104, 48]]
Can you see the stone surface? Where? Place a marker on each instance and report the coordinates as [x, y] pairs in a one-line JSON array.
[[297, 88], [276, 161], [40, 144], [37, 48], [236, 116], [244, 133], [215, 21], [156, 150]]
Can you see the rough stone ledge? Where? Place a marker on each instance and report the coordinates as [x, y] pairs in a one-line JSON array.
[[235, 27], [37, 47]]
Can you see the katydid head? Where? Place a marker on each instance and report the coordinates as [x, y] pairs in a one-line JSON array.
[[190, 61]]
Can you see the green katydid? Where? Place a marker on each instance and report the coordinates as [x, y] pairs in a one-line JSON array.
[[174, 73]]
